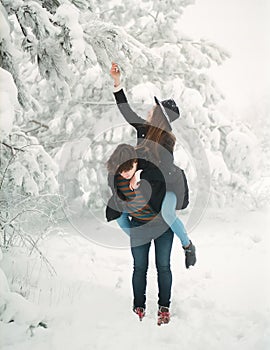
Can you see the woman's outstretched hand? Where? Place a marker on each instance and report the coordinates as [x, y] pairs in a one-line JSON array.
[[115, 73]]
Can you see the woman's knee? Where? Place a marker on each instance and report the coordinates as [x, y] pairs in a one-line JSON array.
[[168, 214]]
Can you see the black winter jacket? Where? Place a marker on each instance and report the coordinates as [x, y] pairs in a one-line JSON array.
[[155, 180], [152, 186]]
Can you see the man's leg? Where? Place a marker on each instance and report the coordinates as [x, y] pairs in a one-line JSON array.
[[163, 247], [140, 257]]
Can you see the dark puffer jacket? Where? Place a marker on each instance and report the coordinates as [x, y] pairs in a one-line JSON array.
[[156, 179], [152, 186]]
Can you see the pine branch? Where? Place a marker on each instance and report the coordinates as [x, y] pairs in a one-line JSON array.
[[50, 5], [22, 27], [41, 125], [12, 148], [4, 174], [22, 212], [11, 159]]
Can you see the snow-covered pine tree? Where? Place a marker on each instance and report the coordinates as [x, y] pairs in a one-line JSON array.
[[28, 182], [28, 200], [66, 48], [63, 49], [257, 117]]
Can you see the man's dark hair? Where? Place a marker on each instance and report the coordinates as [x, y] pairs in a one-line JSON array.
[[122, 159]]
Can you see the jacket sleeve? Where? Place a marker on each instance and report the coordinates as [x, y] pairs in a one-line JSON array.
[[110, 181], [130, 116], [150, 172]]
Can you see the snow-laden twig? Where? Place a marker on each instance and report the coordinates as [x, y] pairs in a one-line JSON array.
[[27, 238], [22, 212], [40, 125], [12, 148]]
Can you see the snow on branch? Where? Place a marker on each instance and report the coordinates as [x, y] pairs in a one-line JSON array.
[[112, 43], [67, 16], [9, 102]]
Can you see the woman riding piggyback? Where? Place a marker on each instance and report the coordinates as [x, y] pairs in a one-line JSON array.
[[155, 146]]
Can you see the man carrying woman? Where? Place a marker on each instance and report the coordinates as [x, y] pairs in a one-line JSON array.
[[148, 188]]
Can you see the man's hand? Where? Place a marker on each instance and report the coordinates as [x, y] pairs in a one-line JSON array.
[[133, 183], [115, 73]]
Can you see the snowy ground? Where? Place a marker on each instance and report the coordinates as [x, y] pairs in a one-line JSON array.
[[222, 303]]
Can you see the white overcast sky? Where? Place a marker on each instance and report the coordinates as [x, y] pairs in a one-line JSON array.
[[243, 28]]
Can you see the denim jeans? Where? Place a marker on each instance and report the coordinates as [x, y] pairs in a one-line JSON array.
[[140, 253], [124, 222], [168, 214]]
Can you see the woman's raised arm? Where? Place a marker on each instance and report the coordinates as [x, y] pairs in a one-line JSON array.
[[122, 103]]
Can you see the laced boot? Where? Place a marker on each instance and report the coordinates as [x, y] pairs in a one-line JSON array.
[[163, 315], [140, 311]]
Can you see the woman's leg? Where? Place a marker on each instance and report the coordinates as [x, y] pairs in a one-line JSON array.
[[124, 222], [163, 246], [168, 212]]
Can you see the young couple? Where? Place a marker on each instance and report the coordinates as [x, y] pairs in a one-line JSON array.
[[147, 189]]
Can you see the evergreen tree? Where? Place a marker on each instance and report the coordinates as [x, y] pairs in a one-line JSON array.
[[59, 54]]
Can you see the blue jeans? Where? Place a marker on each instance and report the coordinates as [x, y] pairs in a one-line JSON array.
[[169, 215], [163, 246], [124, 222]]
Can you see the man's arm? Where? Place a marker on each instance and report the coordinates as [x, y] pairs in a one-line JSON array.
[[149, 173]]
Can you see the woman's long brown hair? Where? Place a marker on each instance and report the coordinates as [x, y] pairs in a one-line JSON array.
[[159, 133]]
